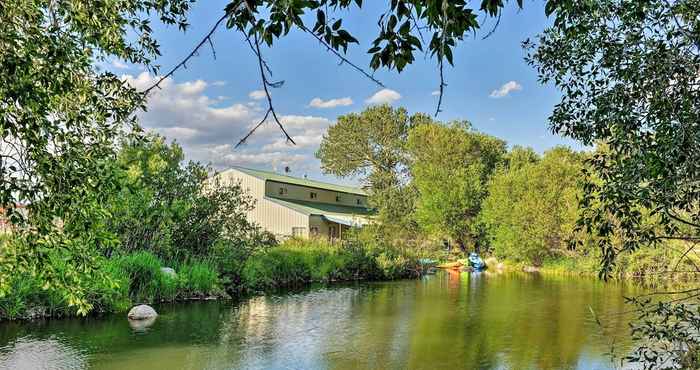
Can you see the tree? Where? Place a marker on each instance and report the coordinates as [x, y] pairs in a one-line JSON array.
[[532, 207], [163, 208], [450, 165], [59, 117], [628, 72], [371, 145]]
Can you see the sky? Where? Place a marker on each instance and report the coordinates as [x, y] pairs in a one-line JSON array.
[[209, 106]]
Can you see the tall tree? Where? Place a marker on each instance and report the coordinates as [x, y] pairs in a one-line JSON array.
[[450, 165], [628, 71], [532, 207], [372, 145]]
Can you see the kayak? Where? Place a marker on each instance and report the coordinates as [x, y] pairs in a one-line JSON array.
[[451, 265], [476, 262]]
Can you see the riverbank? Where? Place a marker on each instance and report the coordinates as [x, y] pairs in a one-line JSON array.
[[142, 277], [669, 265]]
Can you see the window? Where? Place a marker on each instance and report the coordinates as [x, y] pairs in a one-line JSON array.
[[298, 231], [337, 198], [359, 201], [313, 195], [283, 191], [314, 230]]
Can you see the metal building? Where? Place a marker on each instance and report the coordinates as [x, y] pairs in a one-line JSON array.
[[290, 206]]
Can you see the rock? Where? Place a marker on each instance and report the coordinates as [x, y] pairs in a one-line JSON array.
[[142, 312], [500, 266], [141, 326], [491, 262], [169, 271]]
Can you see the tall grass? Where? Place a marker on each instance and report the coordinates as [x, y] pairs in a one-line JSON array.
[[300, 261]]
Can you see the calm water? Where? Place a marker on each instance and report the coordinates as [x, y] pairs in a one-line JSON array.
[[446, 321]]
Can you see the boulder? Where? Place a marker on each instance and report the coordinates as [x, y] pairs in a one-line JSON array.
[[168, 271], [142, 312]]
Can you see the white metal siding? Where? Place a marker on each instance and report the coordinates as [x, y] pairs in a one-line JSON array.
[[273, 217]]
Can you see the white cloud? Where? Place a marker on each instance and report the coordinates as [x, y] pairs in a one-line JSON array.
[[208, 128], [506, 89], [218, 83], [256, 94], [435, 93], [119, 64], [383, 96], [332, 103], [193, 87]]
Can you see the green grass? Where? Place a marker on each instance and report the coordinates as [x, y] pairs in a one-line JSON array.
[[298, 261]]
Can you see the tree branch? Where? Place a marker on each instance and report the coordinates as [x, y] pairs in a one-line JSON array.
[[270, 108], [194, 52], [340, 56]]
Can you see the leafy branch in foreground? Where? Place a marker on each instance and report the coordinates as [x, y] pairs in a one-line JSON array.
[[59, 120], [400, 35], [628, 72]]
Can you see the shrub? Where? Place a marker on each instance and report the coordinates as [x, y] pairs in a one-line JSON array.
[[299, 261]]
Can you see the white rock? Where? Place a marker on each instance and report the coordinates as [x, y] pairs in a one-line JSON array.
[[168, 271], [142, 312]]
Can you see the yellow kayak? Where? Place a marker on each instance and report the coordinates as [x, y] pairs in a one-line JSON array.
[[451, 265]]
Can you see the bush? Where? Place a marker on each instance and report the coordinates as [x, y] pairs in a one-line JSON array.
[[30, 294], [659, 266], [300, 261]]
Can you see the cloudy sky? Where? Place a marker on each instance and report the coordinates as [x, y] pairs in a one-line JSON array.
[[209, 106]]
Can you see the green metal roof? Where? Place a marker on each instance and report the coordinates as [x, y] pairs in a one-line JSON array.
[[315, 208], [272, 176]]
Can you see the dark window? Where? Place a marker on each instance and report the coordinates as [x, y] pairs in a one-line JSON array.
[[359, 201], [313, 195], [337, 198]]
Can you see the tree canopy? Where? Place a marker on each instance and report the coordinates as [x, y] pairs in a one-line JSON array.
[[628, 72], [450, 165]]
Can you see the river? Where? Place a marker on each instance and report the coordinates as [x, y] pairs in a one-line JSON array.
[[445, 321]]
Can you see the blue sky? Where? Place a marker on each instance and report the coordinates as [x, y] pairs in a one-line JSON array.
[[211, 104]]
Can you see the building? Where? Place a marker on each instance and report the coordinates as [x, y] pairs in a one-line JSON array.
[[290, 206]]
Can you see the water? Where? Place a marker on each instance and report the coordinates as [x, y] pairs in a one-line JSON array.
[[446, 321]]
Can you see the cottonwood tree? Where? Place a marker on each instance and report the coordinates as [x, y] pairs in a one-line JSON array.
[[450, 165], [371, 145], [531, 209]]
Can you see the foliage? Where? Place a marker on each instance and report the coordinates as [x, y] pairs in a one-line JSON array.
[[59, 117], [668, 333], [628, 73], [450, 165], [31, 294], [162, 207], [531, 209], [298, 261], [400, 36], [371, 145]]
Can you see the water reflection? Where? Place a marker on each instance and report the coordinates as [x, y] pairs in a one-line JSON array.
[[450, 320]]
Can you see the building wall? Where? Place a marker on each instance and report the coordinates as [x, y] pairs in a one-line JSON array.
[[298, 192], [271, 216]]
